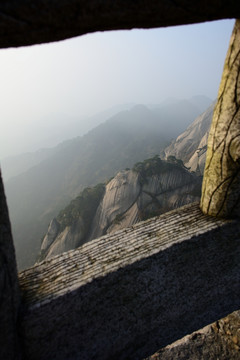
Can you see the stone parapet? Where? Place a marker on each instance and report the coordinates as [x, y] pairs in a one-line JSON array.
[[128, 294]]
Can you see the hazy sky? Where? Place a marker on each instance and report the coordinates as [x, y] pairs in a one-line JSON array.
[[79, 77]]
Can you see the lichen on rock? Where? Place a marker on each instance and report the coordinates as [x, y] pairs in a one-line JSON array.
[[221, 183]]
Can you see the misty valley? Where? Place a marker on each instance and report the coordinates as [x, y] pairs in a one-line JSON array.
[[136, 163]]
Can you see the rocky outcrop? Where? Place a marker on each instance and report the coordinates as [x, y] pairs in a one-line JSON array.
[[70, 238], [117, 204], [51, 234], [191, 145], [71, 227], [152, 195], [221, 182], [151, 188]]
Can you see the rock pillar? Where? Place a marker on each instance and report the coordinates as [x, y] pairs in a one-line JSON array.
[[221, 182], [9, 291]]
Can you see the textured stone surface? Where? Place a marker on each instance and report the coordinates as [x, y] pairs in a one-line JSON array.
[[221, 183], [121, 193], [188, 144], [198, 159], [128, 294], [70, 238], [24, 22], [126, 199], [220, 340], [9, 290], [51, 235]]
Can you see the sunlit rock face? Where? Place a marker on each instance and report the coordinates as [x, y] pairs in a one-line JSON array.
[[191, 145], [150, 188], [198, 159], [70, 238], [121, 194], [157, 194], [221, 182], [51, 234]]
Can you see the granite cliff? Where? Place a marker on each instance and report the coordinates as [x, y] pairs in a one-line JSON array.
[[191, 145], [150, 188]]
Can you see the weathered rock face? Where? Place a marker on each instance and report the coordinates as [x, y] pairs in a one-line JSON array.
[[70, 238], [221, 183], [191, 145], [57, 241], [121, 194], [198, 159], [51, 234], [154, 195], [150, 188], [71, 227], [219, 340]]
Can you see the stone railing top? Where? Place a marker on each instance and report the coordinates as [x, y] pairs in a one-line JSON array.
[[68, 271]]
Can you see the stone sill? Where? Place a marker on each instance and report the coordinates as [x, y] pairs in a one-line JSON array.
[[75, 268], [127, 294]]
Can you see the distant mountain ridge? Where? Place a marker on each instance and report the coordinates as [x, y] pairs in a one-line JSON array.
[[15, 165], [151, 188]]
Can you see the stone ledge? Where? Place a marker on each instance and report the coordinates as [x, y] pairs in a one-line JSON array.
[[75, 268], [219, 340], [128, 294]]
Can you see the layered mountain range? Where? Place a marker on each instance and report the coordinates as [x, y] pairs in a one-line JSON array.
[[151, 188], [56, 176]]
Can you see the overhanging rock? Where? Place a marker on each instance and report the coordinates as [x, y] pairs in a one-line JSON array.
[[27, 22]]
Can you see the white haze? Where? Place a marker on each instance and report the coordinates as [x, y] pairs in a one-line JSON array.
[[48, 91]]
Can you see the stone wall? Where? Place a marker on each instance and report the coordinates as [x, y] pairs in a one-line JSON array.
[[128, 294]]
